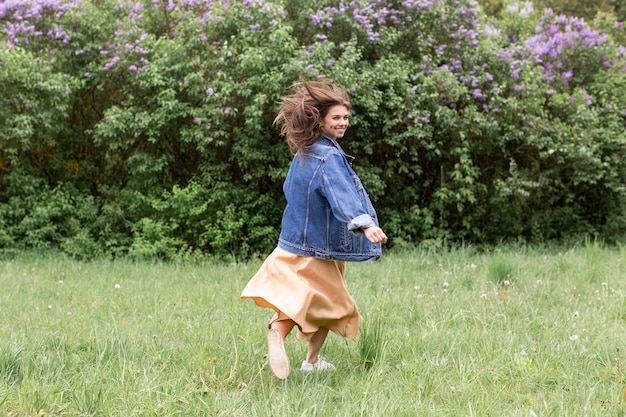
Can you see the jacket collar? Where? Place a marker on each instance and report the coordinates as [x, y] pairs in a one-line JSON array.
[[333, 142]]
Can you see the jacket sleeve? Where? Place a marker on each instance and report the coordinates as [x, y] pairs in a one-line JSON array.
[[340, 189]]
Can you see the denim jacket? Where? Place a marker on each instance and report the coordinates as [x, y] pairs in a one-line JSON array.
[[326, 207]]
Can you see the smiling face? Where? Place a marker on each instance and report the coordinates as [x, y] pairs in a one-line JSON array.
[[335, 123]]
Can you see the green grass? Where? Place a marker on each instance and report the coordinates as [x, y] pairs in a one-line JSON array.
[[509, 332]]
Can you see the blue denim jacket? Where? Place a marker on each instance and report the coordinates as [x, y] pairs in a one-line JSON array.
[[326, 207]]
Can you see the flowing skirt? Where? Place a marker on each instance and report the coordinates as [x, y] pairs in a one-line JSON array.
[[312, 292]]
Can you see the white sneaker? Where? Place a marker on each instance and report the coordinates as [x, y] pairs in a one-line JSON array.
[[278, 359], [320, 365]]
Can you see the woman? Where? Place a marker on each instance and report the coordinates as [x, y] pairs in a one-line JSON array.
[[329, 219]]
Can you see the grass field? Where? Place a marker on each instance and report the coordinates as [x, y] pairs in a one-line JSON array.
[[506, 332]]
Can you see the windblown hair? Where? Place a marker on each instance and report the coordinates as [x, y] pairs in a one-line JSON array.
[[301, 113]]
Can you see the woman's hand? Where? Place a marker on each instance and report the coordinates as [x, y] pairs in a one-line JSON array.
[[375, 235]]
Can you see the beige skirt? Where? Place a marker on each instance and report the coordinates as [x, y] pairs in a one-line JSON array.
[[310, 291]]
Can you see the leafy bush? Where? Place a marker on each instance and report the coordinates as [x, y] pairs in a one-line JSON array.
[[145, 128], [37, 216]]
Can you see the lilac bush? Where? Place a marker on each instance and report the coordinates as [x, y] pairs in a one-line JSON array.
[[160, 112], [569, 77], [24, 21]]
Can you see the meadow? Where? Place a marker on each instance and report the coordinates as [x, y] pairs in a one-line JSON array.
[[508, 331]]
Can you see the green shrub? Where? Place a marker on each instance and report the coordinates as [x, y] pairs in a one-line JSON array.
[[155, 121], [43, 218]]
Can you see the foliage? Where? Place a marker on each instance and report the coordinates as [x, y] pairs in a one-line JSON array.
[[584, 9], [579, 8], [145, 128], [620, 10]]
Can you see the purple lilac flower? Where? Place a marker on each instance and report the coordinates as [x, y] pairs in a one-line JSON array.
[[491, 31], [422, 119], [22, 17], [506, 55], [373, 37], [316, 18], [557, 41], [111, 63]]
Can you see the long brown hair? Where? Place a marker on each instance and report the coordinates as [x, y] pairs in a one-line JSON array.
[[301, 113]]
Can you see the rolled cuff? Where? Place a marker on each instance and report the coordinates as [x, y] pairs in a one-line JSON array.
[[362, 221]]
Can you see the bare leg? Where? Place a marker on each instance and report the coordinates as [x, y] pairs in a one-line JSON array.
[[315, 344], [283, 326]]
